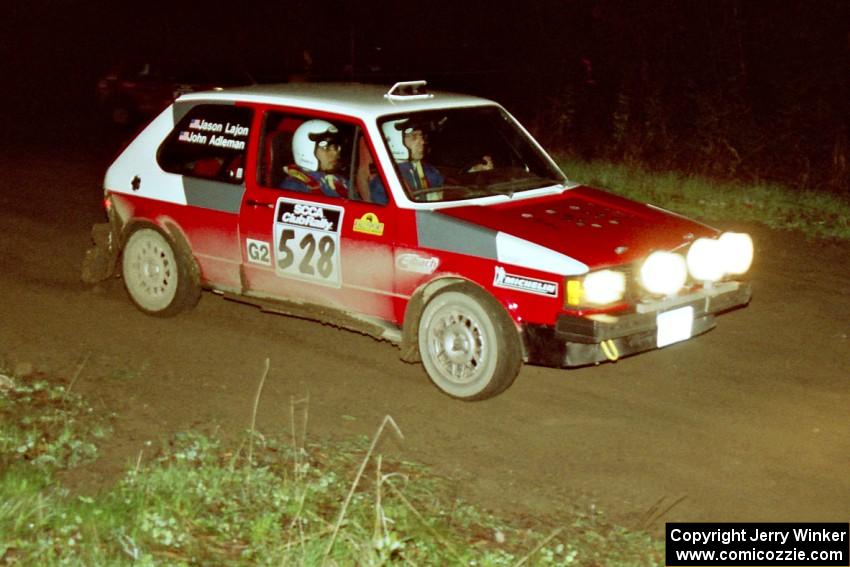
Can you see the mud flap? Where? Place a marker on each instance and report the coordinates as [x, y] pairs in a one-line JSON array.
[[99, 262]]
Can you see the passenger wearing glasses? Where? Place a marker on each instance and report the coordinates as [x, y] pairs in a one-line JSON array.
[[316, 149]]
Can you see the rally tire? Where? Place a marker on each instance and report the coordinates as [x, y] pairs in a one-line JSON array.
[[157, 276], [469, 347]]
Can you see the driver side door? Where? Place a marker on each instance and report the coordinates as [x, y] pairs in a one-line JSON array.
[[308, 247]]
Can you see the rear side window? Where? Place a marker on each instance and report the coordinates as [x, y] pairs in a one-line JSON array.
[[209, 142]]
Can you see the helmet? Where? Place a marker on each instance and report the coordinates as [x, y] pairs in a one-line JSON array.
[[304, 142], [394, 133]]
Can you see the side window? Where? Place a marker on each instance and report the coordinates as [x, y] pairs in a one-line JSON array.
[[328, 157], [209, 143]]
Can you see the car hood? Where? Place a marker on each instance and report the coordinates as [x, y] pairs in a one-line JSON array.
[[594, 227]]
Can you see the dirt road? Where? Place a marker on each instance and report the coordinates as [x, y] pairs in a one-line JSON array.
[[750, 422]]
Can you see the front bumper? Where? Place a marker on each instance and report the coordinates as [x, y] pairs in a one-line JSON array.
[[578, 341]]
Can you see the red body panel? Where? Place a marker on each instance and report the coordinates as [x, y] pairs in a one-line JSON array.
[[588, 225], [364, 283], [212, 235]]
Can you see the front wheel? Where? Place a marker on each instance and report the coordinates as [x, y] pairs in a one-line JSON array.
[[158, 279], [468, 344]]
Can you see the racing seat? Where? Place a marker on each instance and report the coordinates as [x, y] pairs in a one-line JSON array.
[[208, 168], [277, 152]]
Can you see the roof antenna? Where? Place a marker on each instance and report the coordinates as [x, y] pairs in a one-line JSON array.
[[408, 90]]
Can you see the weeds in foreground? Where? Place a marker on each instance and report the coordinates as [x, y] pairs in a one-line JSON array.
[[271, 500], [816, 214], [46, 425]]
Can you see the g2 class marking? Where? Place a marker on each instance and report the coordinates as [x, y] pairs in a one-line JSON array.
[[259, 252]]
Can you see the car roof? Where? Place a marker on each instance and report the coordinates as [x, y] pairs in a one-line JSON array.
[[356, 99]]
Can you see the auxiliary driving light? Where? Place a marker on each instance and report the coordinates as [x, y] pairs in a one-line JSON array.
[[663, 273], [731, 254], [706, 261], [737, 251]]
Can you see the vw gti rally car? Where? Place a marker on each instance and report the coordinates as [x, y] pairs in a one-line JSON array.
[[431, 220]]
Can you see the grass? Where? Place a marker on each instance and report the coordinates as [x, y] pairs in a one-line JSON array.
[[817, 214], [261, 500], [46, 426]]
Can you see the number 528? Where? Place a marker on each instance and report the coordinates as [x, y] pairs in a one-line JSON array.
[[324, 263]]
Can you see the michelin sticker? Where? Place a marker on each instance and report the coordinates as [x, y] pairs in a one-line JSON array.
[[531, 285], [369, 224], [306, 239]]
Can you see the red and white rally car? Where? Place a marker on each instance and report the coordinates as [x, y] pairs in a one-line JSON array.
[[432, 220]]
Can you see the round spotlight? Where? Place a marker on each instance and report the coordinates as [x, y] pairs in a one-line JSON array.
[[706, 260], [737, 251], [663, 273]]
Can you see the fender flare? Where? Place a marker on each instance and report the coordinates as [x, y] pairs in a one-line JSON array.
[[177, 237], [413, 312]]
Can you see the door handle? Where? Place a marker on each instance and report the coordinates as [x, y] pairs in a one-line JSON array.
[[253, 203]]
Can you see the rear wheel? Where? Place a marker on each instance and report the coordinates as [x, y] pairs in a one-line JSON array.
[[468, 344], [158, 278]]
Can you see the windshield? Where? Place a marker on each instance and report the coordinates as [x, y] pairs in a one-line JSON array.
[[465, 153]]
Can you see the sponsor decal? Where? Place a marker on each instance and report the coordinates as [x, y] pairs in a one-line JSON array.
[[309, 215], [531, 285], [369, 224], [416, 263], [259, 252]]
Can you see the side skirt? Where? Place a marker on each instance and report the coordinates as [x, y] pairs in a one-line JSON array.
[[375, 328]]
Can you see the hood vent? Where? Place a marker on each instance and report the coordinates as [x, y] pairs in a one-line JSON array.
[[585, 215]]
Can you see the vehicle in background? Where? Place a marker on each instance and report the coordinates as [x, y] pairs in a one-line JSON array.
[[134, 91]]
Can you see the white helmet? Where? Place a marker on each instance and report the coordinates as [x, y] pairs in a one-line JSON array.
[[395, 137], [305, 139]]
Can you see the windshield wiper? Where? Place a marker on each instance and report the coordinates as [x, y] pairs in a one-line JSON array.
[[466, 189], [510, 187]]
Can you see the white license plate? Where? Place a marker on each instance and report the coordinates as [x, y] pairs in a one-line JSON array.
[[674, 326]]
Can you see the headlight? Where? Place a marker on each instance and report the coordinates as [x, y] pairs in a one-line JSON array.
[[737, 251], [663, 273], [604, 286], [705, 260], [596, 288]]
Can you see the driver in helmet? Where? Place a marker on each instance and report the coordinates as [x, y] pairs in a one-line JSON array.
[[316, 149]]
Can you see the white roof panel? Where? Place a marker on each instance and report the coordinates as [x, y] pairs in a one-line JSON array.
[[355, 99]]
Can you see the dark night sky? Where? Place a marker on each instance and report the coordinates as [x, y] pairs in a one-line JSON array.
[[56, 49], [77, 38], [71, 41], [580, 65]]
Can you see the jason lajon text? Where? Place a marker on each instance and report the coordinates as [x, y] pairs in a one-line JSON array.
[[780, 536]]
